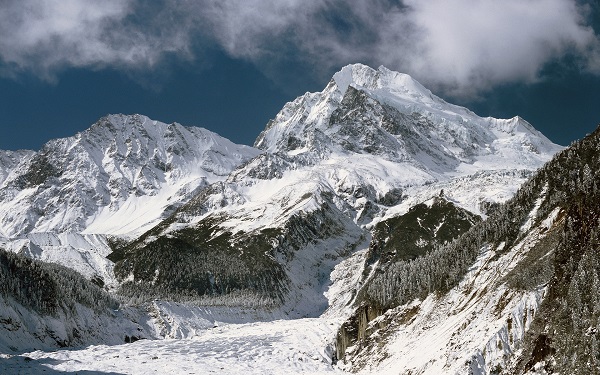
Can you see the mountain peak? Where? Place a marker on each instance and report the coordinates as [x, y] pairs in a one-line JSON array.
[[381, 112], [355, 75], [361, 76], [94, 180], [127, 123]]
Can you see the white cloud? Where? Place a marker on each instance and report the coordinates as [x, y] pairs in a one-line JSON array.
[[472, 45], [44, 36], [247, 28], [463, 46]]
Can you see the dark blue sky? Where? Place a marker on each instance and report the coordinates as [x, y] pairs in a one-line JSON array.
[[230, 98], [231, 68]]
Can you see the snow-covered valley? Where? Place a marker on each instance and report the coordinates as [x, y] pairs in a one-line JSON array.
[[373, 228], [476, 327]]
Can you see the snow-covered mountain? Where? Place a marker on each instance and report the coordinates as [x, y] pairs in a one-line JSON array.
[[121, 176], [383, 129], [373, 210], [390, 115], [366, 149]]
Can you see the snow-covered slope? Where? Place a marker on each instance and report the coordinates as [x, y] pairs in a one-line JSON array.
[[85, 253], [121, 176], [10, 159], [476, 328], [368, 147], [515, 294]]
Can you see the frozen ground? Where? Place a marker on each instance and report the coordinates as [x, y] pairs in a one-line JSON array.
[[300, 346]]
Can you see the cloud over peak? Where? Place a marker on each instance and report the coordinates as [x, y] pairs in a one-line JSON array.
[[483, 43]]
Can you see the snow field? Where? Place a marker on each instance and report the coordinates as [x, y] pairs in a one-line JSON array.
[[283, 347]]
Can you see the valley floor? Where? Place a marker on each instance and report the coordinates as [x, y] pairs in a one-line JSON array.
[[279, 347]]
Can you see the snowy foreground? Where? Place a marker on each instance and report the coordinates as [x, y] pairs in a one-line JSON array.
[[280, 347]]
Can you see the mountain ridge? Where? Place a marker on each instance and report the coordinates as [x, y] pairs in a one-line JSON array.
[[349, 190], [426, 133], [333, 165], [104, 168]]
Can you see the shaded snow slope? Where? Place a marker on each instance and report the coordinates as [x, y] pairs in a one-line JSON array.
[[85, 253], [23, 329]]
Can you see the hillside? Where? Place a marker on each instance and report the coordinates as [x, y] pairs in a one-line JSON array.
[[513, 294]]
